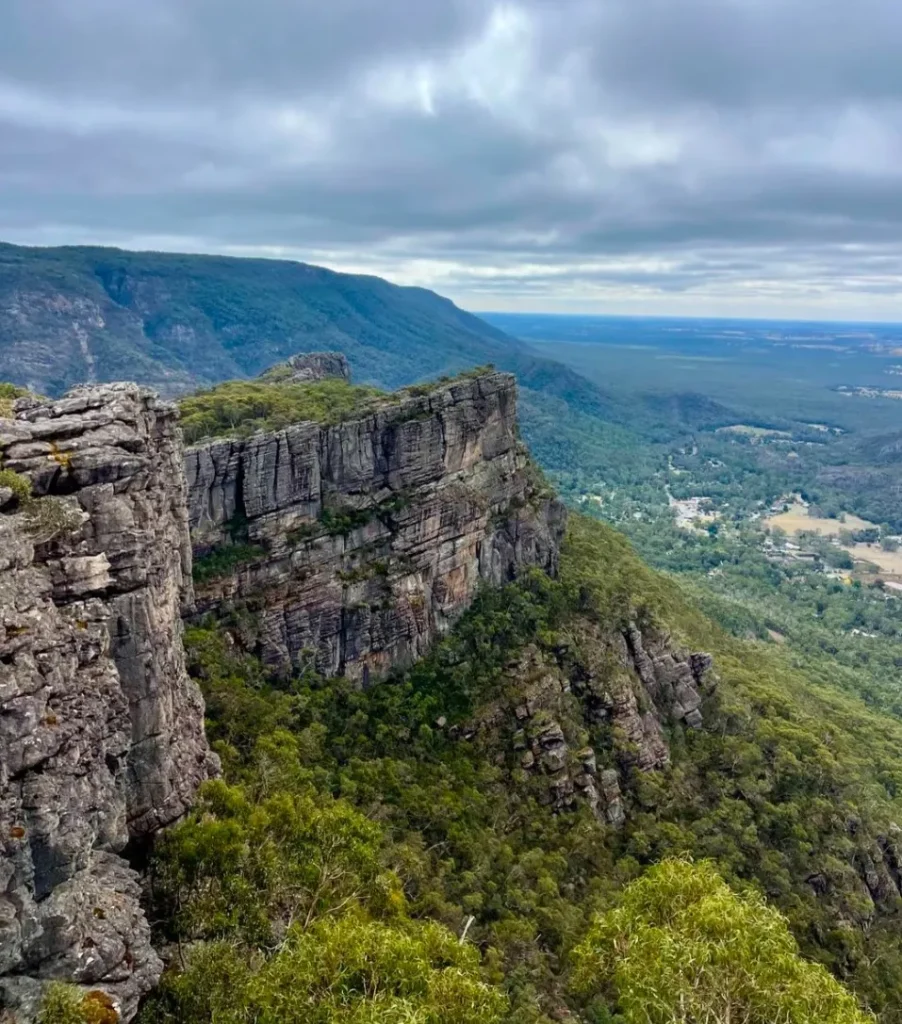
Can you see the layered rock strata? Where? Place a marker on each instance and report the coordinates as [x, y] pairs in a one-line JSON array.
[[101, 730], [352, 546]]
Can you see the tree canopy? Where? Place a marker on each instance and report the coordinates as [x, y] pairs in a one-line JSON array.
[[681, 946]]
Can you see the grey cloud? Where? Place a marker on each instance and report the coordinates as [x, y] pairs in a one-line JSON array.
[[187, 49], [597, 152]]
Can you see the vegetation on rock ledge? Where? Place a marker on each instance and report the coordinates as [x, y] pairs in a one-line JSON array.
[[240, 408], [221, 560], [8, 395]]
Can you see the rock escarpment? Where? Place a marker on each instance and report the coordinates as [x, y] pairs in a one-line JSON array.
[[101, 730], [581, 718], [351, 546]]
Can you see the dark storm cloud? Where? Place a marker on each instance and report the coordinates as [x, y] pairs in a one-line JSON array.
[[709, 155]]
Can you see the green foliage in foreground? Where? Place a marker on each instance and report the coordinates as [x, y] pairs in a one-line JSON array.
[[62, 1004], [242, 407], [352, 809], [349, 970], [682, 946], [67, 1004]]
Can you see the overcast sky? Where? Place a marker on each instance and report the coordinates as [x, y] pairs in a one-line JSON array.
[[739, 157]]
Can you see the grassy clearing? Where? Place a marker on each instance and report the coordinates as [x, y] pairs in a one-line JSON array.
[[797, 520]]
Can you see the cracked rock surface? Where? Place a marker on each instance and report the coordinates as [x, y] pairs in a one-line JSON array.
[[588, 716], [101, 730], [372, 535]]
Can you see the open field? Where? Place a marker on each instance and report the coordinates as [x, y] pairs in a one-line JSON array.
[[749, 431], [797, 520], [888, 561]]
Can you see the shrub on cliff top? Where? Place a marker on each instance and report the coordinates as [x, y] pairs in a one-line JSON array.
[[8, 395], [242, 407]]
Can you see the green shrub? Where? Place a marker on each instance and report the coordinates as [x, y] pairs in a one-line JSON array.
[[223, 559], [8, 395], [66, 1004], [682, 946], [19, 485], [242, 407], [345, 971]]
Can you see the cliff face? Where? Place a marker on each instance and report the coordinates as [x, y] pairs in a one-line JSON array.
[[362, 541], [310, 366], [351, 546], [101, 730]]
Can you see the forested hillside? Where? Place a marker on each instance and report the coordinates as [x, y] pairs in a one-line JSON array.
[[78, 314], [385, 854], [596, 783]]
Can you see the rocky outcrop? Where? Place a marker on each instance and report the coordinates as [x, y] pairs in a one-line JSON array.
[[589, 713], [101, 730], [310, 366], [350, 547]]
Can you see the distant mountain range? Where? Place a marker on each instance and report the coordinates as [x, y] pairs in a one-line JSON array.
[[174, 321], [177, 322]]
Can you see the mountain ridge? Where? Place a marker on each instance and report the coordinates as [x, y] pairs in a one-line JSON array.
[[186, 320], [175, 322]]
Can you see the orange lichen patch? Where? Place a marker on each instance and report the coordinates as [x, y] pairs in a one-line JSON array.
[[60, 458], [51, 719], [17, 832], [99, 1008]]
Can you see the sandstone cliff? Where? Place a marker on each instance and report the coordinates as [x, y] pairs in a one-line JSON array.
[[101, 730], [349, 547]]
